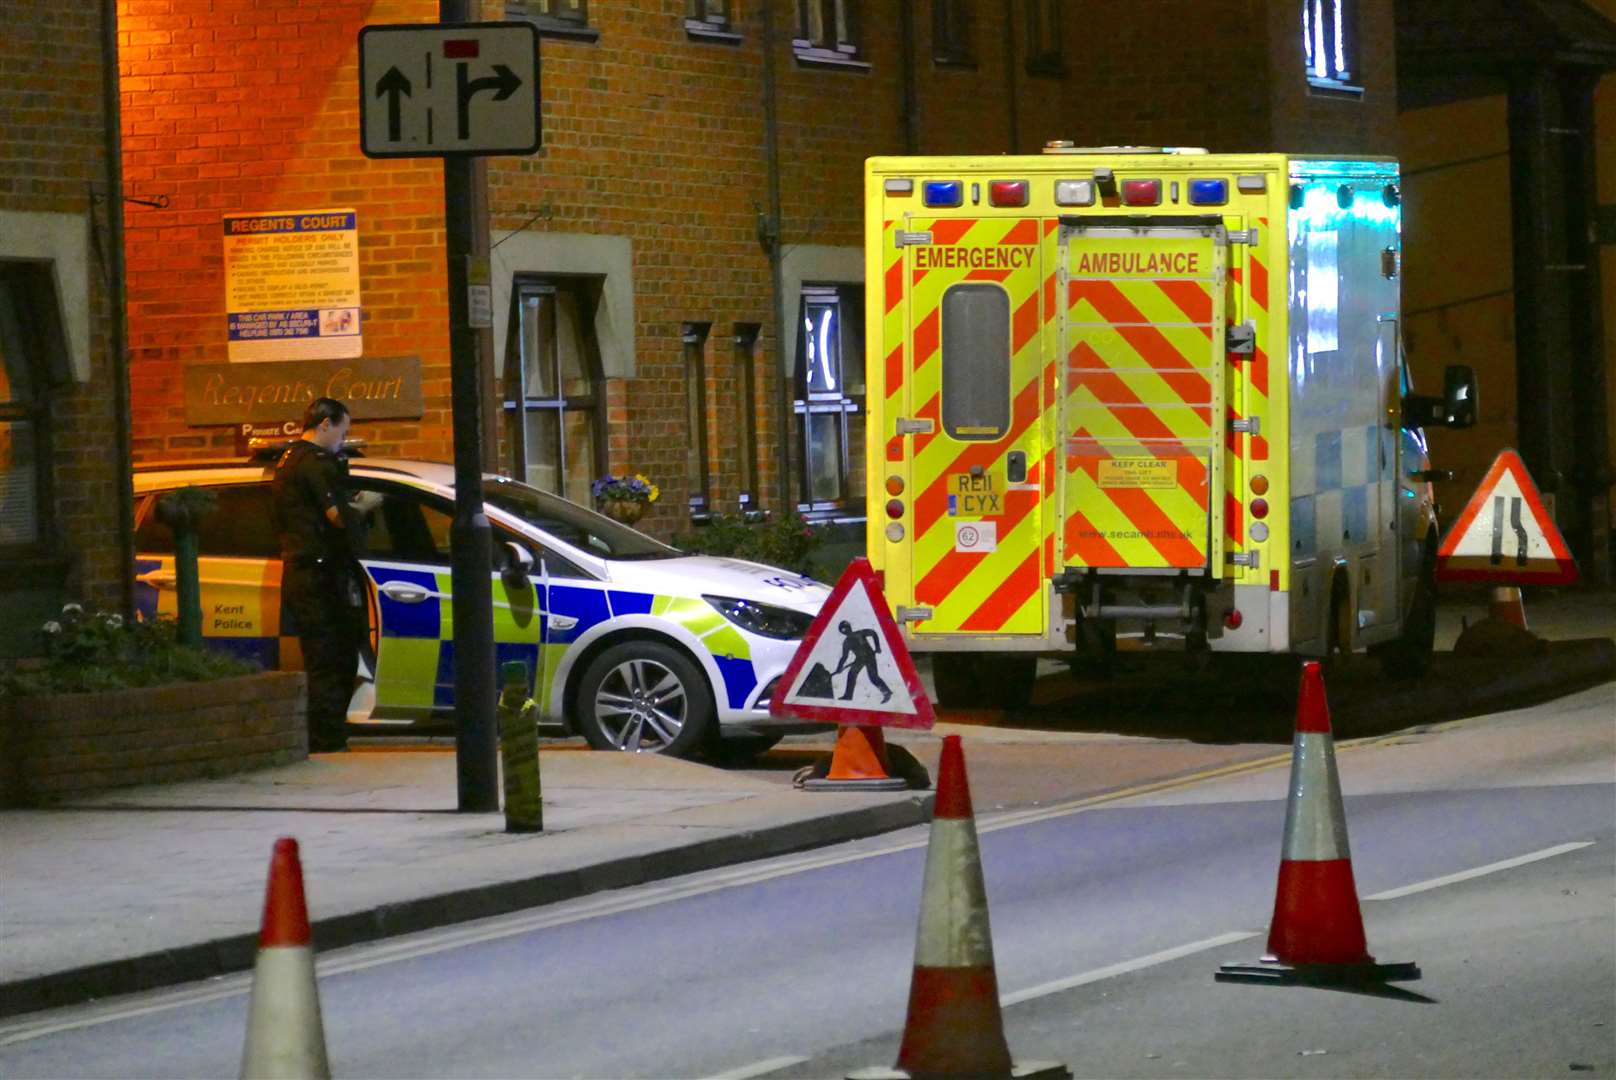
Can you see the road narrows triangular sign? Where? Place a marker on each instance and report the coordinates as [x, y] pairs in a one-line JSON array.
[[852, 666], [1505, 534]]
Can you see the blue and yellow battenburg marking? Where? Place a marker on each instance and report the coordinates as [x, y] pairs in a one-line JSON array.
[[242, 615]]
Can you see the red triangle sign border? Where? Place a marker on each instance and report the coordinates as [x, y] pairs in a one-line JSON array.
[[858, 573], [1564, 569]]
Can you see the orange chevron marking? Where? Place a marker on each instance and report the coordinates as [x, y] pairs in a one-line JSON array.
[[1007, 599], [1193, 299], [1024, 232], [1233, 517], [895, 370], [1259, 283], [1025, 324], [952, 568], [927, 336], [894, 285], [1259, 371], [1150, 343], [932, 503], [1085, 542]]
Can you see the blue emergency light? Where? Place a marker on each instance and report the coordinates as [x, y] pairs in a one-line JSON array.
[[943, 192], [1209, 192]]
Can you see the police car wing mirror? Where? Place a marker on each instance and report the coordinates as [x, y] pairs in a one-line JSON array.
[[518, 566], [1459, 396]]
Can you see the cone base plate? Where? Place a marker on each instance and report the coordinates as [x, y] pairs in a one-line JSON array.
[[1278, 974], [887, 783], [1019, 1070]]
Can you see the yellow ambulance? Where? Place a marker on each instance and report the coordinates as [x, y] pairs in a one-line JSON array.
[[1154, 392]]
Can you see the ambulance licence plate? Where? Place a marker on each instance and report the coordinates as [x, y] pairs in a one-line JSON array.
[[970, 495]]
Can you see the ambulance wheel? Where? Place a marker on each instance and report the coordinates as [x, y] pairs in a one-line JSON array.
[[1409, 656], [958, 679], [1011, 677], [1096, 655], [644, 697], [1338, 635]]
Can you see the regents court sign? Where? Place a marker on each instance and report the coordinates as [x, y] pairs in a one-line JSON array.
[[374, 388]]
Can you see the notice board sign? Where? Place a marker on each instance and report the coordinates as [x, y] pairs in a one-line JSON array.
[[291, 285], [375, 388]]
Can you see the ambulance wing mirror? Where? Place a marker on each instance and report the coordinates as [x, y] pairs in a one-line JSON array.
[[1456, 408], [1459, 395], [518, 565]]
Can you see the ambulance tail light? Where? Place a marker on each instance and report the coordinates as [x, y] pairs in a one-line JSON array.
[[1232, 619], [1141, 193], [1259, 508], [1007, 192], [894, 509], [894, 485]]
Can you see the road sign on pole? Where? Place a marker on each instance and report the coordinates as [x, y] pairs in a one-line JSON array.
[[441, 90]]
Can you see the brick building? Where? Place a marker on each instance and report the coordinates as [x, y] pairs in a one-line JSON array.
[[63, 451], [695, 191]]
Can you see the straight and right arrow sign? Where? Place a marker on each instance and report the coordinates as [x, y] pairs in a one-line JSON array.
[[435, 90], [1505, 534]]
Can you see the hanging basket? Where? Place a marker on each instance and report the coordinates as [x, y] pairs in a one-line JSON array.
[[627, 511]]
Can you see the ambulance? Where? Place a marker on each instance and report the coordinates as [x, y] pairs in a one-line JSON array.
[[1156, 393]]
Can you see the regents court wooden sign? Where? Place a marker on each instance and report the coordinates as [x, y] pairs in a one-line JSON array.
[[373, 388]]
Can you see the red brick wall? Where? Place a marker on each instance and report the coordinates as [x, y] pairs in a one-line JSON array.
[[52, 144], [234, 106]]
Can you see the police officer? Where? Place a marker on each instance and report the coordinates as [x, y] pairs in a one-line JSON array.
[[319, 586]]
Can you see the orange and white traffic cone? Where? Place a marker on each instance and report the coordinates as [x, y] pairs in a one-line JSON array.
[[859, 763], [954, 1027], [1507, 606], [1317, 936], [285, 1038]]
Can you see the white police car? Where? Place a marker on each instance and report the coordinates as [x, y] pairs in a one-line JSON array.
[[633, 644]]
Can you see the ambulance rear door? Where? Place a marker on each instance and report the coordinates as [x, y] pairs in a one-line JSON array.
[[974, 394], [1143, 333]]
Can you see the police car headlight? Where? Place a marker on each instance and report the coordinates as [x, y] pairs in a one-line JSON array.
[[765, 620]]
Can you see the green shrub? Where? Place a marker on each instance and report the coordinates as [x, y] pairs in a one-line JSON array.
[[786, 541], [102, 652]]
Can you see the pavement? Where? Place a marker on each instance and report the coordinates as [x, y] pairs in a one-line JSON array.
[[152, 886]]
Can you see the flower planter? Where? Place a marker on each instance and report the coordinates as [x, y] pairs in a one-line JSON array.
[[64, 745], [625, 510]]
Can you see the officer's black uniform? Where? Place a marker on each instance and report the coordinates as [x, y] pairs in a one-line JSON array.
[[319, 587]]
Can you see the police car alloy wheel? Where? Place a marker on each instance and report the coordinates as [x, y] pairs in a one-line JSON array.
[[644, 697]]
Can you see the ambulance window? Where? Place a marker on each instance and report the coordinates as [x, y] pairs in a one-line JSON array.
[[976, 362]]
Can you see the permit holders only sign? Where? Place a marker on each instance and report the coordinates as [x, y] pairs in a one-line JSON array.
[[852, 666], [291, 285], [1505, 534]]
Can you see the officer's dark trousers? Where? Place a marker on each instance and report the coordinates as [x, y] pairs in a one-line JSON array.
[[316, 596]]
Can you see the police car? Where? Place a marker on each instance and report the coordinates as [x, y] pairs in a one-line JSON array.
[[631, 643]]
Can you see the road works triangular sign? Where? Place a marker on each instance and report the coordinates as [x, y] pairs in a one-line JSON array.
[[1505, 534], [852, 667]]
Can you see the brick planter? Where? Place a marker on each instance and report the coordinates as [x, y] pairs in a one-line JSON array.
[[66, 745]]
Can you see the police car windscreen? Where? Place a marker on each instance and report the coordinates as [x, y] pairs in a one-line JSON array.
[[573, 524]]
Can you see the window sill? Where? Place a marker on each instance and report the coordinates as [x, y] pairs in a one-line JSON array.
[[697, 30], [1334, 89], [551, 28], [828, 58]]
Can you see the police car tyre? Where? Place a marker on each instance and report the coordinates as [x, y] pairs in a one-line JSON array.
[[645, 697]]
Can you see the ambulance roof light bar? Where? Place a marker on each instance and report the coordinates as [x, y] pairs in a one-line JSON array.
[[1066, 146]]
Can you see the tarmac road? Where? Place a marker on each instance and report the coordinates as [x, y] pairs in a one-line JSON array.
[[800, 966]]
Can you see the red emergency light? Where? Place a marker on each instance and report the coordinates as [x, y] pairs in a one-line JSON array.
[[1007, 192], [1141, 193], [461, 48]]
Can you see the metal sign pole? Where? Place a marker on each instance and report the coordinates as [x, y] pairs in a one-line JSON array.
[[471, 541]]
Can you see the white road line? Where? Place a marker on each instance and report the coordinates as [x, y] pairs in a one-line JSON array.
[[1137, 964], [1480, 871], [759, 1068]]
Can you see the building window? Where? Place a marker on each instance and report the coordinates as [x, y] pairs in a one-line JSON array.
[[710, 20], [555, 18], [697, 468], [746, 406], [1044, 38], [553, 394], [1328, 42], [24, 410], [830, 389], [951, 32], [827, 32]]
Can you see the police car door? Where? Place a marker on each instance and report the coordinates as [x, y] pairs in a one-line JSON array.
[[975, 393]]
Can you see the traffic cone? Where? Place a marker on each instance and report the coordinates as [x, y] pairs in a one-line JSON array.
[[1317, 935], [859, 763], [954, 1027], [1507, 606], [285, 1039]]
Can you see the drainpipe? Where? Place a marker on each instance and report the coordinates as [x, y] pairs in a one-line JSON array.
[[1010, 77], [911, 86], [112, 119], [771, 241]]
